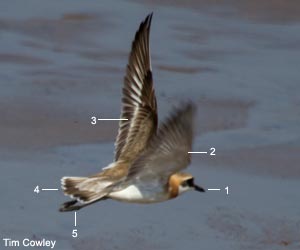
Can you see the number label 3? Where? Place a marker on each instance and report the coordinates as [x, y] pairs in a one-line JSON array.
[[93, 120]]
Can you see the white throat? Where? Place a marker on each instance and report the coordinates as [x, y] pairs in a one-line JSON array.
[[182, 189]]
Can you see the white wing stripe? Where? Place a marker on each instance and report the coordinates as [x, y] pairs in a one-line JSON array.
[[138, 91], [137, 81]]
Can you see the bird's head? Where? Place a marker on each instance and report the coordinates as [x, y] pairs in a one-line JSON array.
[[182, 182]]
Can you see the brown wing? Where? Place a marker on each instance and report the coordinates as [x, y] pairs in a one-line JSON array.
[[139, 101], [168, 150]]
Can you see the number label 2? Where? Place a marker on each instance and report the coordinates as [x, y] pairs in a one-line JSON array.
[[212, 151]]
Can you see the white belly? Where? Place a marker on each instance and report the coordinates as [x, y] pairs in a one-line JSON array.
[[133, 194]]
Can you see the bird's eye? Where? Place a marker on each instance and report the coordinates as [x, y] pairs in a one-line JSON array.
[[184, 184]]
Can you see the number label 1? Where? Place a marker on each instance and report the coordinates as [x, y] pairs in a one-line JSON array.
[[74, 233], [212, 151], [227, 190], [37, 189]]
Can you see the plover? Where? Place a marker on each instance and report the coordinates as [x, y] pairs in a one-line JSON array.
[[148, 161]]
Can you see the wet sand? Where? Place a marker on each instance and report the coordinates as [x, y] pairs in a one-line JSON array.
[[280, 161], [44, 126], [272, 11]]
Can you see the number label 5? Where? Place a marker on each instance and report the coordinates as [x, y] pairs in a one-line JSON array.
[[74, 233]]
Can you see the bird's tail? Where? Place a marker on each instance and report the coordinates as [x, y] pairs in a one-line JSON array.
[[83, 190]]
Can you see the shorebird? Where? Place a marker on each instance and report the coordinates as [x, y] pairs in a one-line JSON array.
[[148, 160]]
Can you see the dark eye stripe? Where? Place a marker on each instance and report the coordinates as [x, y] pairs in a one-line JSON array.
[[190, 182]]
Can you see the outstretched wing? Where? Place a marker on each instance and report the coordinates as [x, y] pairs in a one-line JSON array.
[[139, 101], [168, 150]]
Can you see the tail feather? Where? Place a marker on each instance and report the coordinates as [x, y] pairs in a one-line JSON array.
[[84, 189]]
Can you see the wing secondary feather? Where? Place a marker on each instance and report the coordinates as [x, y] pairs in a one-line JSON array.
[[168, 150]]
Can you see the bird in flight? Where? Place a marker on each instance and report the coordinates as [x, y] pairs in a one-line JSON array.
[[148, 160]]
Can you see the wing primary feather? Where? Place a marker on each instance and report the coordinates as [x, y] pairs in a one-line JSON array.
[[139, 101]]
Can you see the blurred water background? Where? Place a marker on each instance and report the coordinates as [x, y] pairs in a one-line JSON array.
[[63, 61]]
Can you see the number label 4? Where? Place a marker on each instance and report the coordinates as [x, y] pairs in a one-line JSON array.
[[37, 189]]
